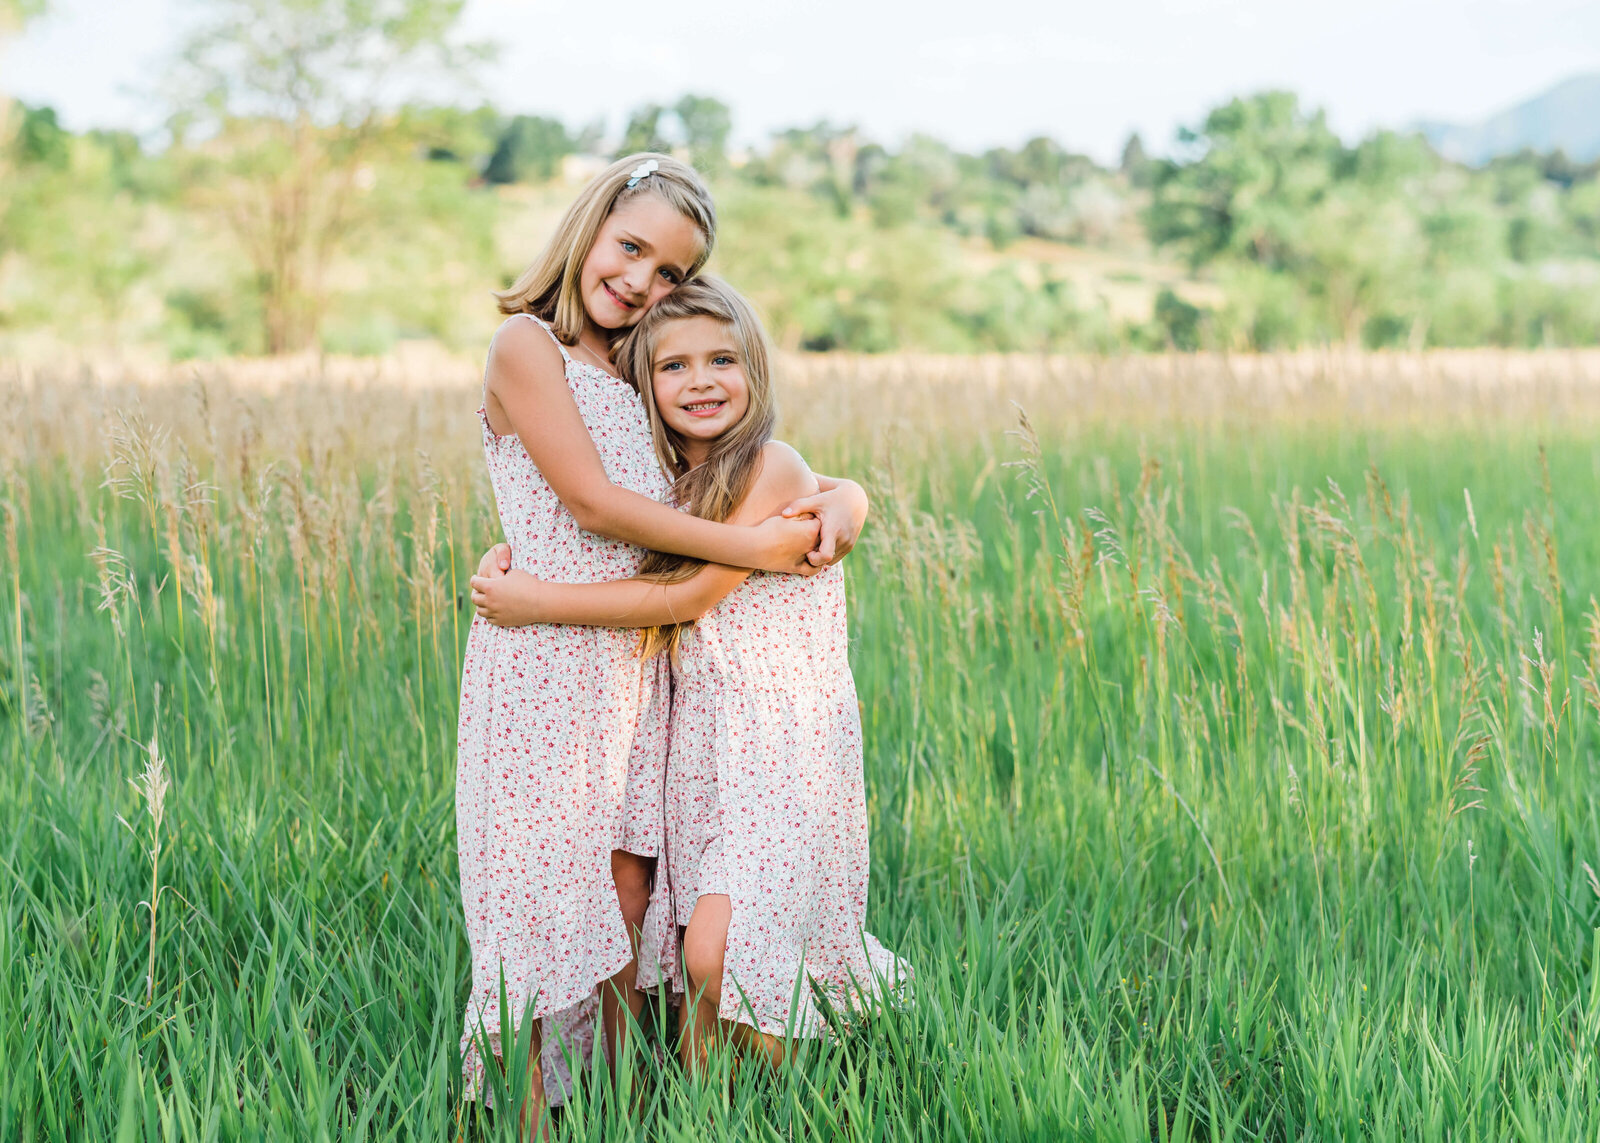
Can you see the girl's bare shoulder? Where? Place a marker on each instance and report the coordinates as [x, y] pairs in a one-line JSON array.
[[784, 473], [522, 349]]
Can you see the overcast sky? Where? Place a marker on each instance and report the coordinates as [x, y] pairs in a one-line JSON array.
[[975, 74]]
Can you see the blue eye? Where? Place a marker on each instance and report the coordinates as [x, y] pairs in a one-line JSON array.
[[670, 276], [722, 359], [671, 365], [629, 247]]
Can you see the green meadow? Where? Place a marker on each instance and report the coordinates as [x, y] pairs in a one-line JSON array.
[[1231, 731]]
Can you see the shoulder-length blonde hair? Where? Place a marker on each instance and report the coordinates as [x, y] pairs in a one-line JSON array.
[[548, 289], [714, 489]]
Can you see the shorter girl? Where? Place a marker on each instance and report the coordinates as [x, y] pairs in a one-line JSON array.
[[766, 856]]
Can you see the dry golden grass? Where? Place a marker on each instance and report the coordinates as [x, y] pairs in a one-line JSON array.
[[423, 398]]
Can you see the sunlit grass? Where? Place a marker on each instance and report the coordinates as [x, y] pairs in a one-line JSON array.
[[1230, 742]]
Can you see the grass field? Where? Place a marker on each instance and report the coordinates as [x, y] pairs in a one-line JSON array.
[[1231, 737]]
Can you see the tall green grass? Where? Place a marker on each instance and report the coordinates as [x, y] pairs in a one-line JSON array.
[[1231, 769]]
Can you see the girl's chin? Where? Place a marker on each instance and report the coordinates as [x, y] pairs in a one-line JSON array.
[[697, 431]]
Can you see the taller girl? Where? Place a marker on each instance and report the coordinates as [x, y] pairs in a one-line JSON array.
[[556, 833]]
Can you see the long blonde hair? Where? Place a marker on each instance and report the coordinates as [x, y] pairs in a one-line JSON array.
[[549, 288], [713, 489]]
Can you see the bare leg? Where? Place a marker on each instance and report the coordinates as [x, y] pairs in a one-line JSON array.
[[620, 998], [757, 1045], [705, 944]]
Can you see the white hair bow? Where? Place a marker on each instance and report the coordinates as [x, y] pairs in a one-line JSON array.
[[642, 171]]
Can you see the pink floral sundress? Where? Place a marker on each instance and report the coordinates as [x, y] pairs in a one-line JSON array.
[[550, 718], [765, 802]]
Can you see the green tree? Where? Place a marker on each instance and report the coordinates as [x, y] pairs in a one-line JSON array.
[[289, 98], [530, 148], [451, 134], [644, 132], [1362, 264], [1179, 322], [935, 167], [1261, 164], [706, 124], [82, 238], [1041, 161], [40, 139], [1135, 164], [14, 15]]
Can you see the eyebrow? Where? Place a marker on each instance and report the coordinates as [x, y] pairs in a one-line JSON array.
[[668, 358]]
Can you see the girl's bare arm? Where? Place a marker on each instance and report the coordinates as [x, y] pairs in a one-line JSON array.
[[527, 393], [840, 506], [518, 599]]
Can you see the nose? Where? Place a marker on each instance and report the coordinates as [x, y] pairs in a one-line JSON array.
[[637, 283]]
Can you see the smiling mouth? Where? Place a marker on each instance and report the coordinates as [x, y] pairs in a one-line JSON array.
[[703, 408], [618, 298]]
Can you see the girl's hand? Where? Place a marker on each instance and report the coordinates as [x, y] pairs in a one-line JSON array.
[[506, 598], [841, 513], [786, 543], [496, 561]]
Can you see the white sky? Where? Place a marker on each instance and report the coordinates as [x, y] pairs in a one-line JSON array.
[[975, 74]]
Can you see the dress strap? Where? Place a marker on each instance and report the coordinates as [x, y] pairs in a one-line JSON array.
[[544, 325]]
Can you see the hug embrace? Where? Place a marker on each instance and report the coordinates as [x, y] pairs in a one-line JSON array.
[[659, 775]]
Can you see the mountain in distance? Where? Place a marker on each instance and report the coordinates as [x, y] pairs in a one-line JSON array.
[[1566, 117]]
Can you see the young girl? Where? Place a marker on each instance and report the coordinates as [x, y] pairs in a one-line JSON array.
[[766, 817], [555, 834]]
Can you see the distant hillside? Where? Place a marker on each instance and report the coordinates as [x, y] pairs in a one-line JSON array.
[[1567, 116]]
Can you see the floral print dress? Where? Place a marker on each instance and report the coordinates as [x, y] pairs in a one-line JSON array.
[[765, 803], [550, 718]]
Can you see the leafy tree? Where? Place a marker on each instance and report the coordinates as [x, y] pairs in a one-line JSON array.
[[1015, 308], [1558, 168], [40, 139], [1580, 211], [892, 202], [362, 222], [935, 166], [14, 16], [823, 282], [1363, 261], [1262, 164], [425, 275], [644, 131], [1179, 321], [587, 139], [82, 237], [1333, 231], [288, 99], [1135, 164], [1041, 161], [706, 124], [450, 134], [529, 149]]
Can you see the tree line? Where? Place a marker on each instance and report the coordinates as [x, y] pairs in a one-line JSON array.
[[295, 202]]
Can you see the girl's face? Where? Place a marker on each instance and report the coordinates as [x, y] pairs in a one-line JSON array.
[[698, 380], [643, 250]]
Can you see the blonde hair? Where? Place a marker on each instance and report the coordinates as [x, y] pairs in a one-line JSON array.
[[713, 489], [549, 289]]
